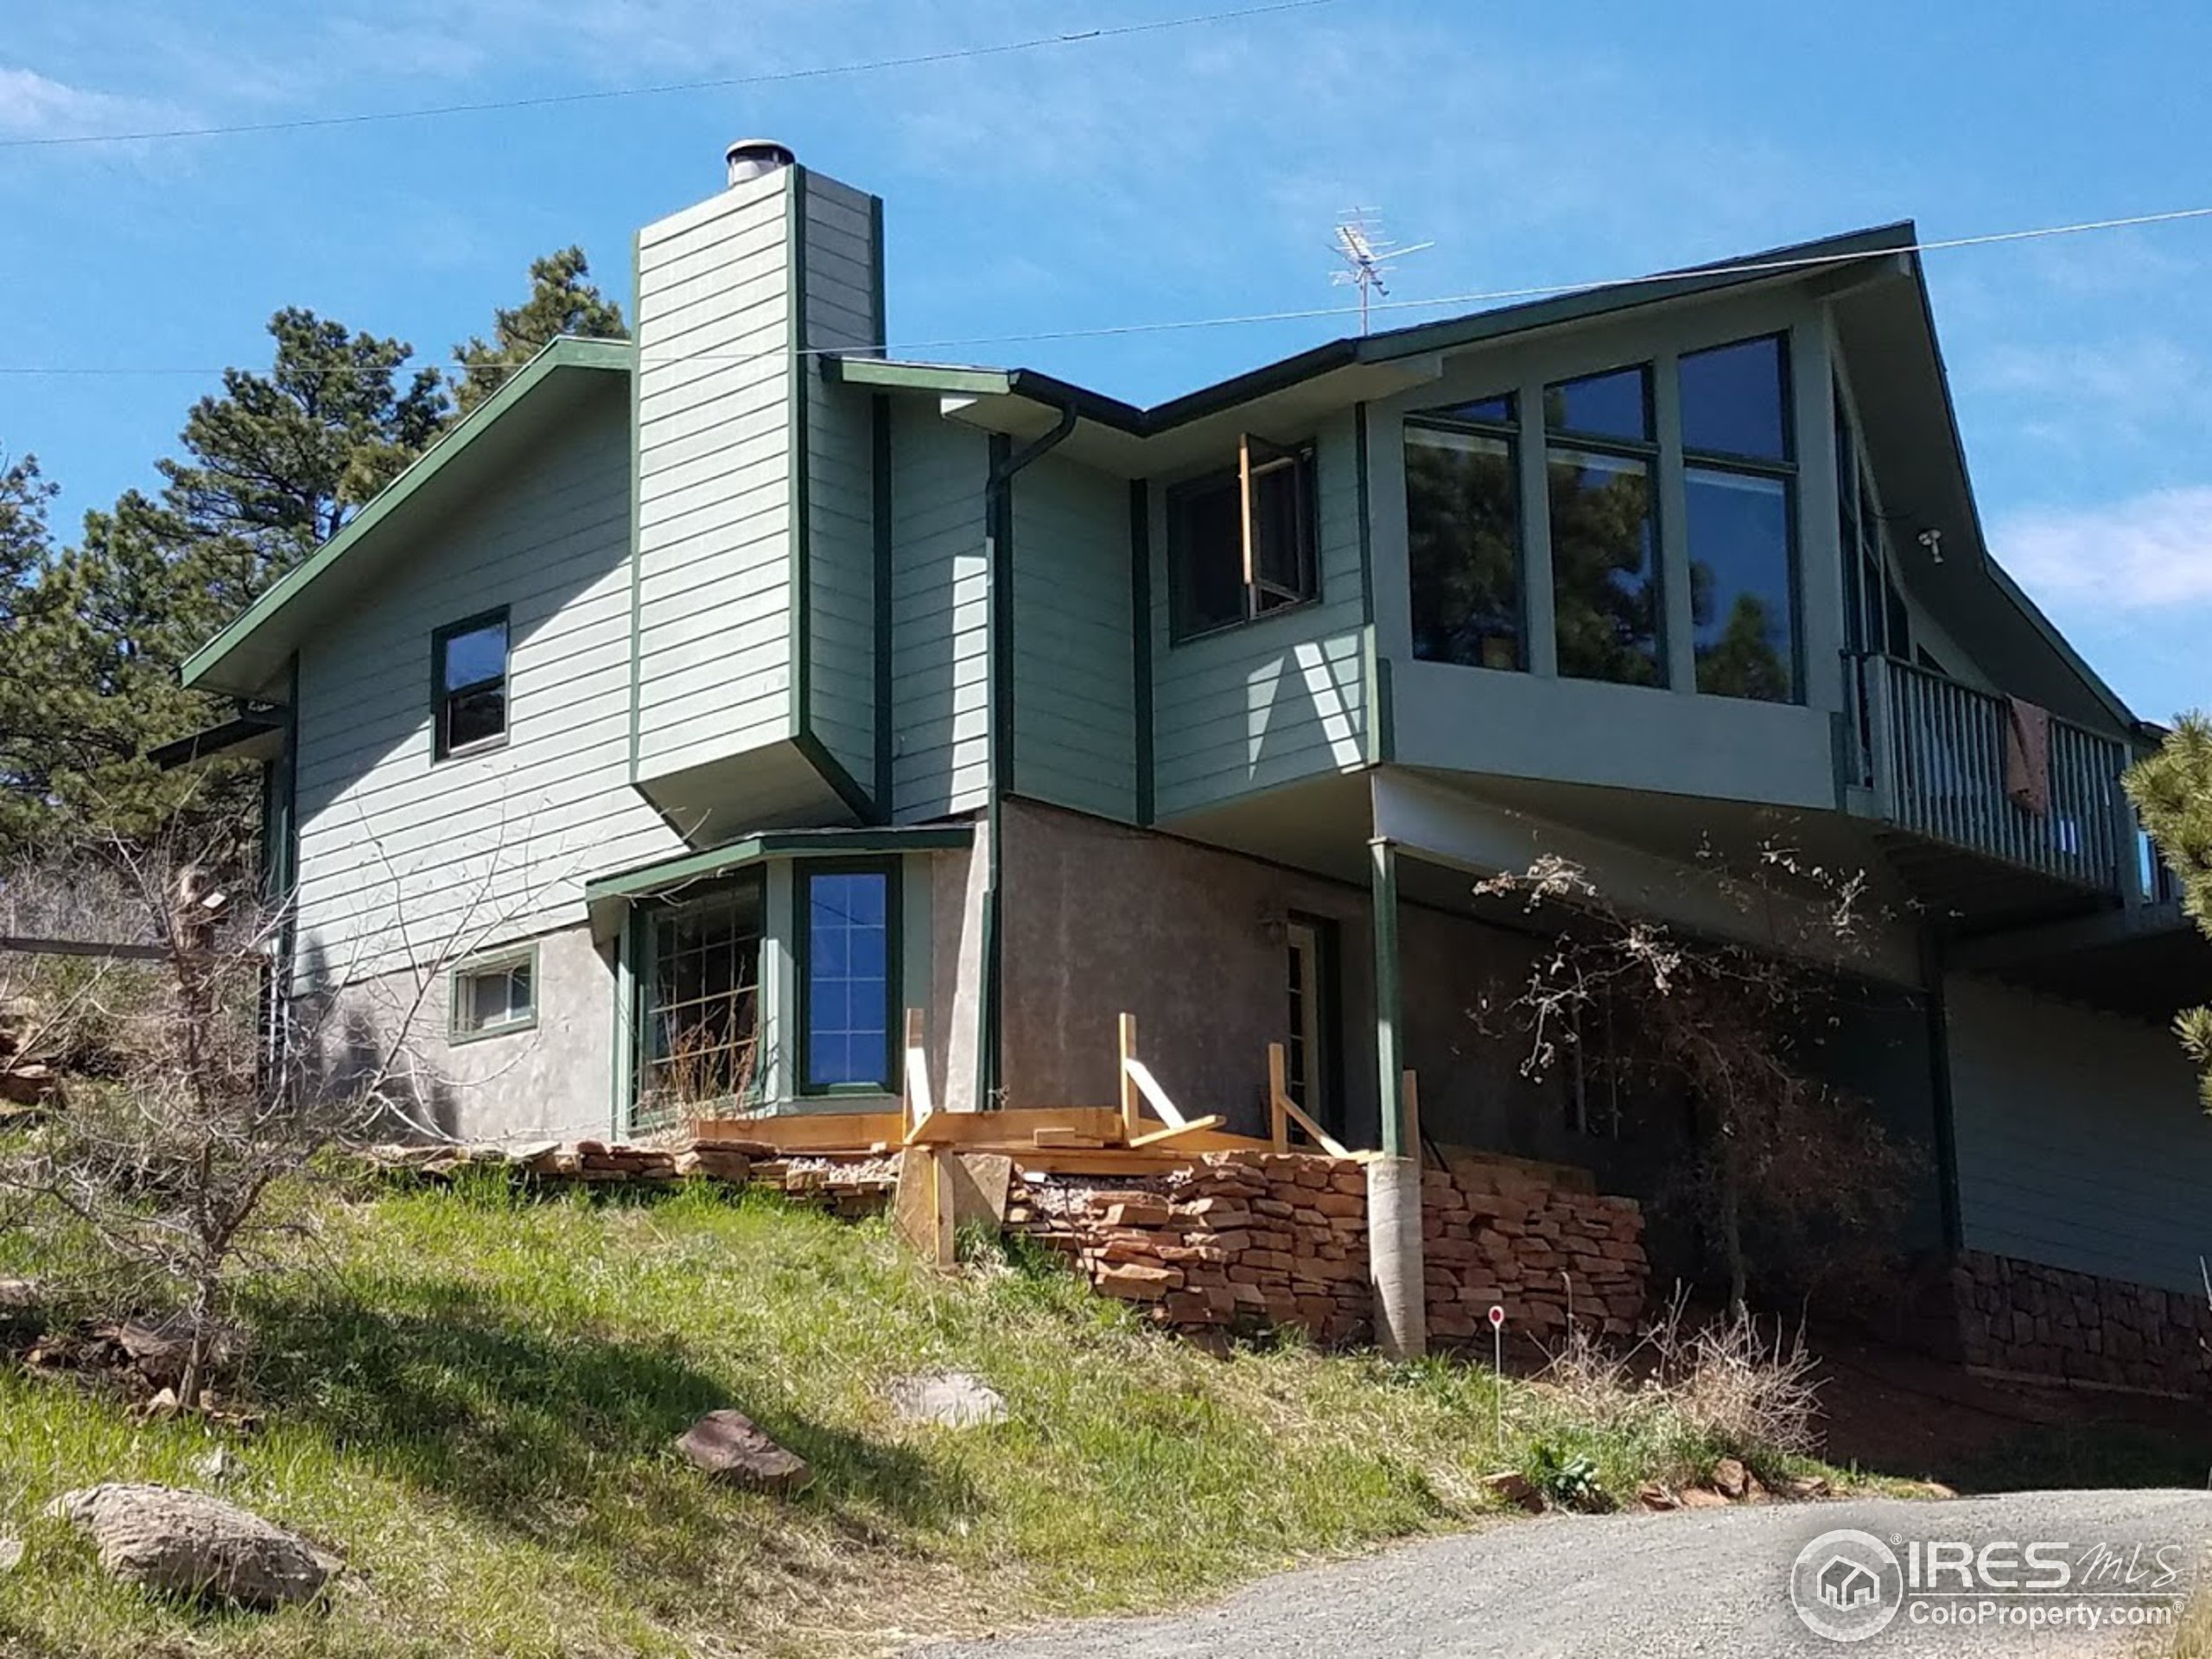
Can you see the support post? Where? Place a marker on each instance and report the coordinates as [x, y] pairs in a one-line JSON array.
[[1278, 1089], [1126, 1032], [1389, 1046], [1394, 1233]]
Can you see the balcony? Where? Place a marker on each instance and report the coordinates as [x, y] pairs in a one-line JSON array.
[[1933, 751]]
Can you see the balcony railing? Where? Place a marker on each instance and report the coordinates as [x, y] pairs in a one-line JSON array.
[[1936, 756]]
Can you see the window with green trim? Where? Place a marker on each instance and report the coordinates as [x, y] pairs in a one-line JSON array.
[[468, 684], [494, 994], [848, 976]]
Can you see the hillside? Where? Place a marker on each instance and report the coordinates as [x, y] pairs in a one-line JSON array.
[[470, 1398]]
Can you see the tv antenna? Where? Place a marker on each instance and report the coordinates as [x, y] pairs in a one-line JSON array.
[[1368, 257]]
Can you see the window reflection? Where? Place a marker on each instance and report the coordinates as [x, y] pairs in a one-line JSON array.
[[1463, 521], [1740, 599], [1604, 570]]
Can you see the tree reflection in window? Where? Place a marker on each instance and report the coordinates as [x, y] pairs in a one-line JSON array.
[[1463, 524], [1604, 567]]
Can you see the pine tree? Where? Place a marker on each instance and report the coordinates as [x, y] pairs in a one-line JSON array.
[[562, 300], [2172, 792], [271, 467]]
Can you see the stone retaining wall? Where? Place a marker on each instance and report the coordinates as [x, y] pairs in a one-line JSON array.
[[2022, 1317], [1281, 1239]]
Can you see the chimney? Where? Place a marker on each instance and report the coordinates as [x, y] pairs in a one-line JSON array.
[[752, 496], [752, 158]]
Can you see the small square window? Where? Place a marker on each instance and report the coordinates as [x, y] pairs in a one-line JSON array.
[[1241, 543], [494, 994], [468, 684]]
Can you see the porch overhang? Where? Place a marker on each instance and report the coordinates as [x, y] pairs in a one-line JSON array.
[[607, 898], [2148, 961]]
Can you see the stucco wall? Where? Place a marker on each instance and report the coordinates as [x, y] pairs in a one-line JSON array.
[[1101, 919], [551, 1080]]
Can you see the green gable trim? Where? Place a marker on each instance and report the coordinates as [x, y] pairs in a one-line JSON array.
[[613, 356], [879, 841]]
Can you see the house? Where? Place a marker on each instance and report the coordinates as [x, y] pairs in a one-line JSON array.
[[697, 706]]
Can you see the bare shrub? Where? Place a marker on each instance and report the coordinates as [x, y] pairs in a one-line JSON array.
[[1688, 1394], [1780, 1160]]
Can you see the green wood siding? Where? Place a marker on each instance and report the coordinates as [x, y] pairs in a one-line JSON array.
[[493, 846], [841, 314], [1074, 693], [1275, 700], [715, 484], [2081, 1143], [939, 602]]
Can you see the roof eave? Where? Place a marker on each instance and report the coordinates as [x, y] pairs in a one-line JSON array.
[[211, 668]]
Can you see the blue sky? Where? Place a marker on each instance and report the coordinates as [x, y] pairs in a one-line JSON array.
[[1188, 174]]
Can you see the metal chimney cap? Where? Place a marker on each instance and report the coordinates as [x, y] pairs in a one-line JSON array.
[[749, 158]]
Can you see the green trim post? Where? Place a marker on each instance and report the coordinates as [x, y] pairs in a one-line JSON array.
[[885, 529], [637, 504], [1939, 1088], [1366, 516], [802, 601], [1140, 641], [1389, 1002]]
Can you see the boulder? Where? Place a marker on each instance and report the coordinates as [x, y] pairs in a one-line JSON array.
[[1509, 1487], [188, 1544], [949, 1399], [728, 1445]]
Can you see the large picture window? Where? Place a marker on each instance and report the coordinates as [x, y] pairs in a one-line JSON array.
[[1242, 542], [701, 1033], [849, 983], [1605, 589], [1737, 488], [1463, 527]]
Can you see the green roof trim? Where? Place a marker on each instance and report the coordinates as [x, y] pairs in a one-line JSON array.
[[874, 841], [559, 354], [1451, 333]]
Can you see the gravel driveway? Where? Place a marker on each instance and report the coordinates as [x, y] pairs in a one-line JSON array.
[[1623, 1586]]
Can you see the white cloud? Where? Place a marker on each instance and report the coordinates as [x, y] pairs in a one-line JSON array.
[[32, 105], [2149, 552]]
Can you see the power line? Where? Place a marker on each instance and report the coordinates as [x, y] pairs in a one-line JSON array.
[[547, 100], [1493, 296]]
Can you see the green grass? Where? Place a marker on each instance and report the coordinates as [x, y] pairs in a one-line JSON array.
[[471, 1398]]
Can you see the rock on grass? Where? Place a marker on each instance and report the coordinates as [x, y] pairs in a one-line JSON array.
[[728, 1445], [192, 1546]]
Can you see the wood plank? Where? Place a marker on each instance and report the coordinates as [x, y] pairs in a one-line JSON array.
[[1064, 1138], [808, 1131], [1278, 1091], [1155, 1097], [1322, 1138], [1177, 1131], [1125, 1033]]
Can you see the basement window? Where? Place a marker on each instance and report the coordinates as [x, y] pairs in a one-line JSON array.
[[494, 994], [468, 684], [1241, 542]]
